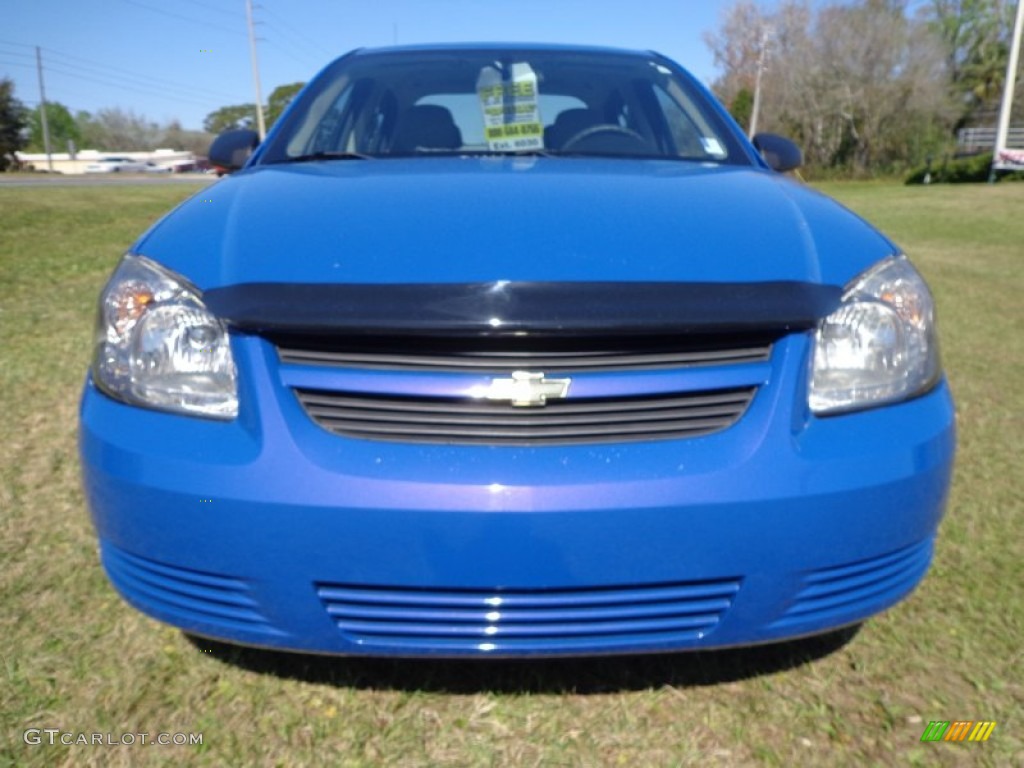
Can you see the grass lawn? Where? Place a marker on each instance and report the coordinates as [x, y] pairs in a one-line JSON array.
[[75, 657]]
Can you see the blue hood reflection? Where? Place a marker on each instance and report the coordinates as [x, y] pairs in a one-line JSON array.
[[492, 219]]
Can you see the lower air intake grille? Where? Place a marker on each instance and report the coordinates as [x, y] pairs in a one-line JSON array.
[[464, 420], [522, 620], [195, 598], [838, 591]]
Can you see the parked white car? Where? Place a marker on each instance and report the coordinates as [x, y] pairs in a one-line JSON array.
[[117, 165]]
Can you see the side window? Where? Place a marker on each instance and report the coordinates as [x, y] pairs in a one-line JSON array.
[[690, 133], [328, 133], [684, 134], [321, 125], [369, 134]]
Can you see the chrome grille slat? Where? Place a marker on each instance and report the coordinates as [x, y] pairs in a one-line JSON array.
[[507, 619], [453, 408], [551, 599], [512, 420], [511, 434], [502, 355], [503, 362], [464, 420], [480, 616], [512, 631]]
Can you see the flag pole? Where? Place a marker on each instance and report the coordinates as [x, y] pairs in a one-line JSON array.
[[1003, 132]]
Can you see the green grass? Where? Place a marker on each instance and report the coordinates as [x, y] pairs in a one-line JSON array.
[[75, 657]]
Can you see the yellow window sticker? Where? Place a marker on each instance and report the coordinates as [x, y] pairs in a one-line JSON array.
[[510, 108]]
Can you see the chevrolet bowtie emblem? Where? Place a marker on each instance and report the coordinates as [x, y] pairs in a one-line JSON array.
[[527, 389]]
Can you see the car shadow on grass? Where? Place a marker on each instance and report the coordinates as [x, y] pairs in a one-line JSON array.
[[594, 675]]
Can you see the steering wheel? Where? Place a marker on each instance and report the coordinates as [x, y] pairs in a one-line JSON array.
[[594, 130]]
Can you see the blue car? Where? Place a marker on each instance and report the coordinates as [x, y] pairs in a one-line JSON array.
[[513, 350]]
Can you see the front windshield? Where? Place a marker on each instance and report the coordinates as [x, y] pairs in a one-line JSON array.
[[429, 103]]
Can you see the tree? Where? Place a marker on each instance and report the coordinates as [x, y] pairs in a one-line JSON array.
[[279, 99], [61, 125], [976, 36], [736, 48], [742, 107], [244, 115], [90, 130], [117, 130], [13, 120], [860, 85], [229, 118], [176, 137], [889, 74]]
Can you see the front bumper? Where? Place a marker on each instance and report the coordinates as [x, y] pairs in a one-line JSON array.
[[269, 531]]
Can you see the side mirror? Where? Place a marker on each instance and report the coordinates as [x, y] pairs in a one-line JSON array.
[[231, 149], [780, 153]]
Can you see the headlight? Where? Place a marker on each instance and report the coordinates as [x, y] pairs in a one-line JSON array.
[[880, 346], [157, 345]]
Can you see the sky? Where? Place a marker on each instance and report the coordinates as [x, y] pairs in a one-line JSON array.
[[185, 58]]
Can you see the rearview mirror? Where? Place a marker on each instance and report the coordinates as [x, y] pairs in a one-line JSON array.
[[780, 153], [231, 149]]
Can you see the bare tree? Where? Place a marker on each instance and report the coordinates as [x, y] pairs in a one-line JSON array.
[[858, 84], [116, 129], [735, 48]]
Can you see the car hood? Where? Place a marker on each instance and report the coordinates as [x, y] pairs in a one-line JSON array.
[[531, 219]]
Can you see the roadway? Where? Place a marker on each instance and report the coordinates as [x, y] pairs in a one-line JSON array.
[[102, 180]]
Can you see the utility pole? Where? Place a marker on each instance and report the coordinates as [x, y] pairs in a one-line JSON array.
[[260, 125], [42, 110], [1011, 80], [755, 112]]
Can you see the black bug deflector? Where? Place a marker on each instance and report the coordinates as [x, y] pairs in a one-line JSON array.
[[535, 308]]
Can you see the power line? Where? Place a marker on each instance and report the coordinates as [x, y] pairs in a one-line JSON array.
[[143, 80], [301, 61], [301, 35], [116, 72], [292, 47], [15, 53], [232, 14], [147, 91], [189, 19], [64, 73], [291, 40]]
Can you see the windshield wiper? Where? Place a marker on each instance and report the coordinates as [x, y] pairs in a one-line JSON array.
[[329, 156], [511, 153], [531, 153]]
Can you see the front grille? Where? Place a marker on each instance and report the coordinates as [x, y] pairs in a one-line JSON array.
[[518, 620], [580, 420], [502, 355]]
